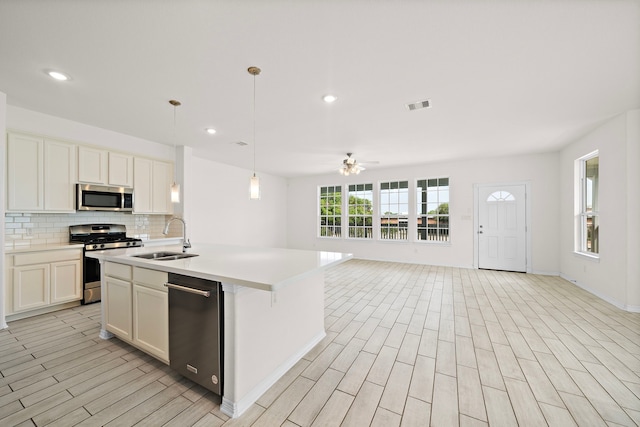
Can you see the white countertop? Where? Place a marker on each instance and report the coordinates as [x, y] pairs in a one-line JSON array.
[[259, 268], [46, 247]]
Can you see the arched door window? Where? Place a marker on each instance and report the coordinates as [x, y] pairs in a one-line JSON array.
[[501, 196]]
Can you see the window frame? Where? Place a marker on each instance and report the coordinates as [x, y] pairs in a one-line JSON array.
[[418, 212], [380, 215], [320, 225], [583, 213], [369, 230]]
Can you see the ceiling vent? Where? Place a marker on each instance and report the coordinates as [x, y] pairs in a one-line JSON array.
[[420, 104]]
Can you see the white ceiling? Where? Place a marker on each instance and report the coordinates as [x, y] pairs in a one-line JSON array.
[[504, 77]]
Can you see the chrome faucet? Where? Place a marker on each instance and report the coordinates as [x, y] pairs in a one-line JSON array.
[[185, 242]]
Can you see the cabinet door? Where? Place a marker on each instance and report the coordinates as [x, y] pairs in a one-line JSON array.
[[142, 184], [151, 320], [118, 307], [120, 170], [60, 176], [25, 179], [92, 165], [30, 287], [66, 281], [162, 180]]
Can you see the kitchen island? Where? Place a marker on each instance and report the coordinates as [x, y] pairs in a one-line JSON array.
[[273, 307]]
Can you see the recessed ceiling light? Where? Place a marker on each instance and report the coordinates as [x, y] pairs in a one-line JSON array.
[[329, 98], [210, 131], [57, 75]]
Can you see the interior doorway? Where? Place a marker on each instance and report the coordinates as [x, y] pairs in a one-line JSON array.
[[501, 227]]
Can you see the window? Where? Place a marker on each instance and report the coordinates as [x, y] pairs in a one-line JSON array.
[[331, 211], [361, 211], [589, 227], [432, 202], [394, 210]]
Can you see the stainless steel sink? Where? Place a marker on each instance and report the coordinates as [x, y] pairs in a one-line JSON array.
[[164, 256]]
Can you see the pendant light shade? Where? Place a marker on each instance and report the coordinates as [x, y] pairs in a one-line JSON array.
[[254, 185], [175, 193], [254, 188], [175, 188]]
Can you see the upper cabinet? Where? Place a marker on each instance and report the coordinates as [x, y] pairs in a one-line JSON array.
[[41, 174], [92, 165], [120, 170], [96, 166], [152, 186]]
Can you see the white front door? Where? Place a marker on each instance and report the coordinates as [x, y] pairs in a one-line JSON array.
[[502, 235]]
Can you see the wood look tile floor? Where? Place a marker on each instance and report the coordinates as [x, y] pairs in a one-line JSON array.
[[406, 345]]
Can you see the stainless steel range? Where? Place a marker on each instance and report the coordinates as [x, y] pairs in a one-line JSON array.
[[98, 237]]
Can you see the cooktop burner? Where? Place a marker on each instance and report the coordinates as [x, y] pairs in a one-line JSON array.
[[102, 236]]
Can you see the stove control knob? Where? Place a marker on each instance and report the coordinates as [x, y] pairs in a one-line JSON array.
[[128, 243], [95, 246], [102, 245]]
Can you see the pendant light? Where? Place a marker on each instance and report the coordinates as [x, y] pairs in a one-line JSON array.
[[254, 187], [175, 188]]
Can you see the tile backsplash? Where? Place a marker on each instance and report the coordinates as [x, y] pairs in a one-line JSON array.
[[26, 229]]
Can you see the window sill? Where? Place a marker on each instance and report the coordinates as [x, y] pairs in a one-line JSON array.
[[587, 256]]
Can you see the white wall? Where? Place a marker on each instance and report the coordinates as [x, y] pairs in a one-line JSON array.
[[541, 170], [610, 277], [219, 208], [3, 143], [56, 127]]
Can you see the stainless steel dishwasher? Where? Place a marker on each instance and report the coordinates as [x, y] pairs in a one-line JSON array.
[[196, 330]]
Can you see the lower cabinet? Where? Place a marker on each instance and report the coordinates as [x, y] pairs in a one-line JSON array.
[[43, 279], [118, 310], [137, 307]]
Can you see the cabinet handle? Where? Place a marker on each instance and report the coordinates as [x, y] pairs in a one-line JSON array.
[[205, 294]]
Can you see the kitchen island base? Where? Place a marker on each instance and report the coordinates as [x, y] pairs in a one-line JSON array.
[[266, 334]]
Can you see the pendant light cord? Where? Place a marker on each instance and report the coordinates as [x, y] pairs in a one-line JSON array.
[[254, 125]]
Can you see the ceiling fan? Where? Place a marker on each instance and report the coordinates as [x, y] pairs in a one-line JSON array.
[[350, 166]]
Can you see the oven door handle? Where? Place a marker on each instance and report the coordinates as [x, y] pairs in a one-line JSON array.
[[205, 294]]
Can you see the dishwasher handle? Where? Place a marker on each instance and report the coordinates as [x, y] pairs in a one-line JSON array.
[[205, 294]]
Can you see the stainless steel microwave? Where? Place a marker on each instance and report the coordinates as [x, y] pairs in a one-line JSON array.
[[103, 198]]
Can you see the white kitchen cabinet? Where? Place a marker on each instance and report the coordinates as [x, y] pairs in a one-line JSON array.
[[118, 307], [66, 281], [59, 176], [41, 174], [152, 186], [120, 170], [151, 312], [93, 164], [102, 167], [162, 180], [118, 300], [25, 173], [31, 287], [45, 278], [136, 305]]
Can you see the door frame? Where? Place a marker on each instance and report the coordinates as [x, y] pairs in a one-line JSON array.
[[527, 214]]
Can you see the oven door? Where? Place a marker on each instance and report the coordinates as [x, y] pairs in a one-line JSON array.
[[91, 292]]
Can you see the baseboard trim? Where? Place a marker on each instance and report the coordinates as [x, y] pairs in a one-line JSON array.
[[612, 301], [235, 409]]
